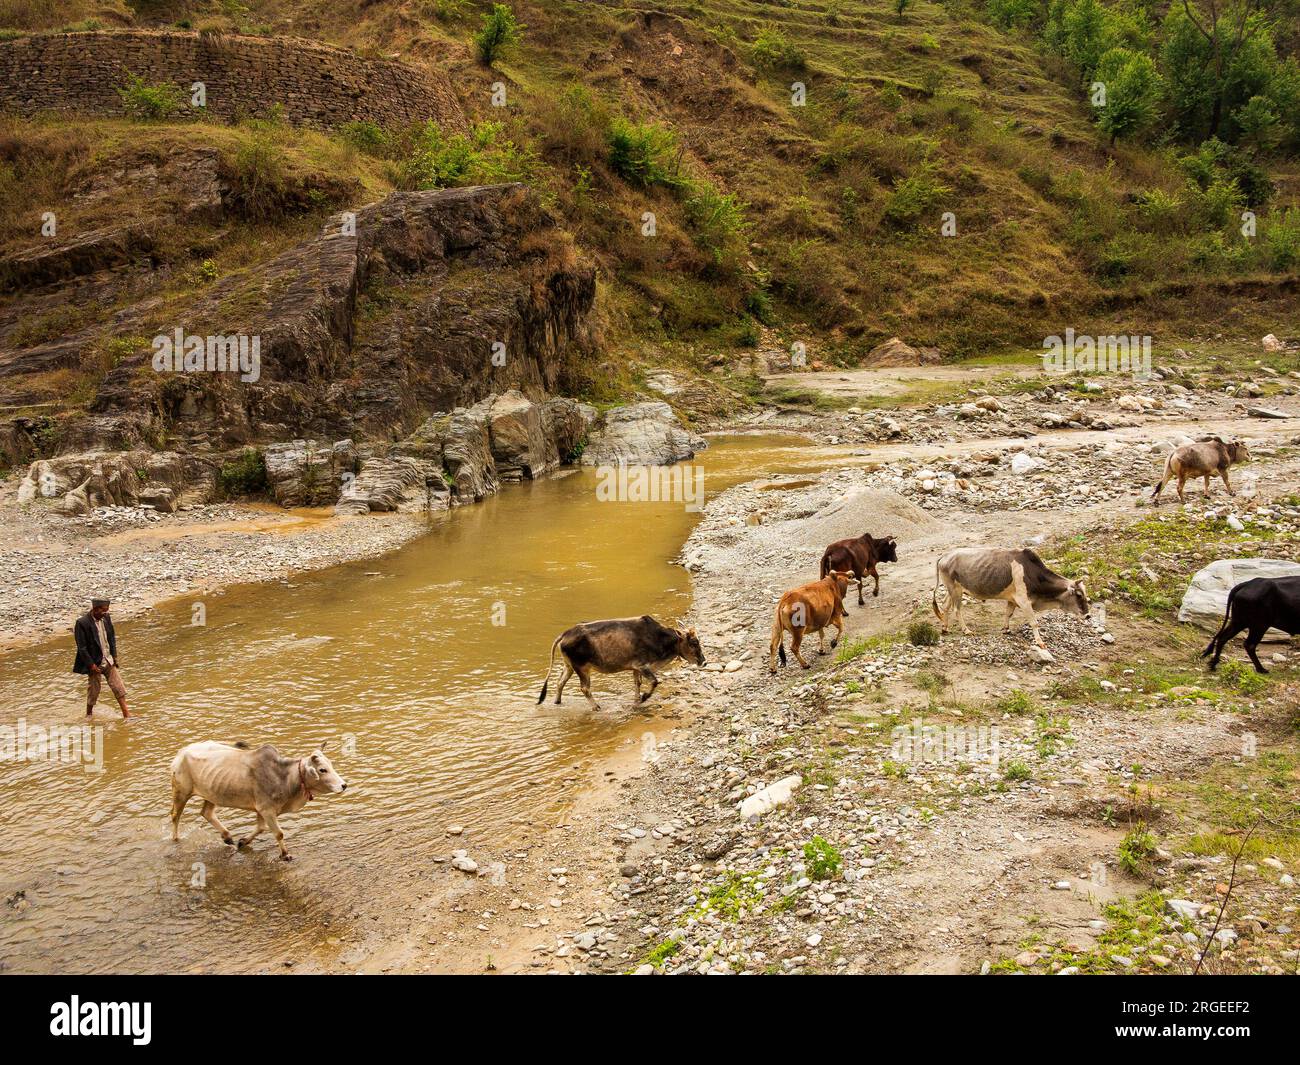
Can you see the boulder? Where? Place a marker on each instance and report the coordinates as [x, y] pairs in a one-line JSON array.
[[770, 797], [642, 434], [894, 352], [1206, 597], [395, 483], [567, 424], [467, 453], [518, 438], [307, 473], [82, 482]]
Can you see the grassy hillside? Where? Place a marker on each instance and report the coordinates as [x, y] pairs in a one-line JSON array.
[[944, 180]]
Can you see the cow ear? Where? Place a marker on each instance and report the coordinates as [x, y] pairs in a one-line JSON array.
[[321, 748], [690, 632], [1078, 587]]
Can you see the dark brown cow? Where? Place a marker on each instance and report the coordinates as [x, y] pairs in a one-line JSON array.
[[809, 609], [640, 645], [859, 556]]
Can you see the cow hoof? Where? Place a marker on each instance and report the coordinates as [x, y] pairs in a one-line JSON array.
[[228, 841], [244, 842], [286, 857]]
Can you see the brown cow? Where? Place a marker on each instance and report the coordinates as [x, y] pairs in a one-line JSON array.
[[859, 555], [809, 609], [1205, 458]]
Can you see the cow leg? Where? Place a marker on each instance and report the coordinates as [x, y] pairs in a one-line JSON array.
[[959, 604], [208, 812], [821, 640], [861, 601], [636, 684], [1224, 474], [1252, 641], [261, 827], [179, 798], [1222, 640], [268, 816], [568, 672], [1182, 480], [1028, 608], [875, 592], [1011, 610], [654, 683], [838, 622], [584, 679], [796, 638]]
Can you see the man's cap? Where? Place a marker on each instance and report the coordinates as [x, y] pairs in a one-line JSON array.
[[99, 601]]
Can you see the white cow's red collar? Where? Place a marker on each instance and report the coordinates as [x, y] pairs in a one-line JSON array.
[[302, 777]]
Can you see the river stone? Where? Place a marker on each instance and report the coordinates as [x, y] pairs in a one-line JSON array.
[[1206, 597], [641, 434]]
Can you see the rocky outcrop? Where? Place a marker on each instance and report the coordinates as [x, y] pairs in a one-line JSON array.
[[518, 438], [895, 352], [643, 434], [305, 473], [395, 483], [423, 302], [568, 424], [79, 483], [1206, 597]]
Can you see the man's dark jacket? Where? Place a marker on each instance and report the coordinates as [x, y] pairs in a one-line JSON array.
[[89, 650]]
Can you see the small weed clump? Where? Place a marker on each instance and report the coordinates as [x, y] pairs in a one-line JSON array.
[[823, 859], [922, 634]]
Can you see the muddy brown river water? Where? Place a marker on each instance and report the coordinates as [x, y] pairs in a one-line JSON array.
[[420, 668]]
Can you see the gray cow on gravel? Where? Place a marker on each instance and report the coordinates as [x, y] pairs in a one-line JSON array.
[[1019, 577]]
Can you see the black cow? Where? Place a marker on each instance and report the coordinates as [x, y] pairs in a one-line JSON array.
[[641, 645], [1258, 605], [859, 556]]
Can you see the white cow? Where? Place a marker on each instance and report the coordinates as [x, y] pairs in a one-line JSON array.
[[233, 775]]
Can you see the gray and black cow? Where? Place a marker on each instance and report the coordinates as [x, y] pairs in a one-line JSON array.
[[1257, 605], [639, 645], [1019, 577]]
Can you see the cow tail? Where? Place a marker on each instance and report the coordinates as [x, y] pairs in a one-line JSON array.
[[934, 595], [549, 670], [1164, 478], [778, 635], [1227, 613], [826, 564]]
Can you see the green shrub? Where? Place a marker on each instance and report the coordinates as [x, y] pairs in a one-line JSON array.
[[1016, 770], [434, 160], [644, 154], [368, 137], [915, 195], [718, 223], [1281, 235], [500, 31], [1136, 849], [244, 476], [922, 634], [150, 103], [773, 51], [259, 171], [823, 859]]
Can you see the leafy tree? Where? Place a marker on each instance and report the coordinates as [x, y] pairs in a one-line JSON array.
[[1226, 28], [500, 31], [1132, 93]]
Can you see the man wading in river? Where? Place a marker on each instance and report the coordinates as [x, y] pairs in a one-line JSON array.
[[97, 655]]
